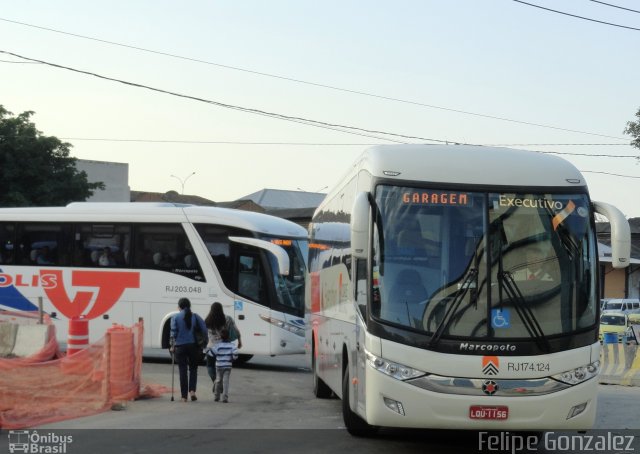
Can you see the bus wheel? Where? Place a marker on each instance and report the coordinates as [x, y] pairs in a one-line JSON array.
[[320, 388], [355, 425], [242, 359]]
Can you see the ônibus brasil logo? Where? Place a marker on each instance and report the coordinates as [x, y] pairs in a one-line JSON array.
[[110, 287], [32, 442]]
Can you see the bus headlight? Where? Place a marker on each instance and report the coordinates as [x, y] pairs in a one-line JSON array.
[[297, 330], [579, 374], [395, 370]]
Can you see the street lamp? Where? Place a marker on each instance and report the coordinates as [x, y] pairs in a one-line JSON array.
[[183, 182]]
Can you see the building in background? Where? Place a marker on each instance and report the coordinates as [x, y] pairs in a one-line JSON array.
[[279, 198], [174, 197], [295, 206], [619, 283], [114, 175]]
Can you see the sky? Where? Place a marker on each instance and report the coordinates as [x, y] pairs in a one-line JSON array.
[[496, 72]]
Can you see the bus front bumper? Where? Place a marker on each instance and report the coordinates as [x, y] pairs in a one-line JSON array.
[[421, 408]]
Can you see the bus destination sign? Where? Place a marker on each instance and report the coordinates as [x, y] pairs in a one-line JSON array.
[[436, 198]]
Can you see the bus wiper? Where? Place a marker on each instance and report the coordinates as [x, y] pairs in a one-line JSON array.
[[568, 242], [453, 307], [524, 312]]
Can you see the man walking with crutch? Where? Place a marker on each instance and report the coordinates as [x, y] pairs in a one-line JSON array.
[[172, 352]]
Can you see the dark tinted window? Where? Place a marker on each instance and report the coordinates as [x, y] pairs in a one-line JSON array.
[[148, 246], [43, 243], [165, 247], [241, 267], [7, 243]]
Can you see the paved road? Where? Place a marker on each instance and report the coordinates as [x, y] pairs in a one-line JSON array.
[[269, 396]]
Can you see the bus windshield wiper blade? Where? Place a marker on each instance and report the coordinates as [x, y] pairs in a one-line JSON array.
[[524, 312], [453, 307], [568, 242]]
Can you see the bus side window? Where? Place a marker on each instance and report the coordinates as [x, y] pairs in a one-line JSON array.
[[165, 247], [216, 238], [7, 242], [43, 243], [361, 286], [102, 245], [249, 277]]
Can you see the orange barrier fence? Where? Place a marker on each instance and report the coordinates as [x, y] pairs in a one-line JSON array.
[[84, 383]]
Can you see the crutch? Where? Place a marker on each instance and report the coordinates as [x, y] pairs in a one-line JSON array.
[[173, 369]]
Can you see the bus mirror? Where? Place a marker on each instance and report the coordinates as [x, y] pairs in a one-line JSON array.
[[360, 225], [280, 254], [620, 234]]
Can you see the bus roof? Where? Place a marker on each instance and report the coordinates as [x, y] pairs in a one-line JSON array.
[[106, 212], [469, 164]]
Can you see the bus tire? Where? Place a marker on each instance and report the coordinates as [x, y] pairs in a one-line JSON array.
[[320, 388], [242, 359], [355, 425]]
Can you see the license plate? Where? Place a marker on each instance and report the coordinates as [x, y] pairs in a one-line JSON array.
[[488, 412]]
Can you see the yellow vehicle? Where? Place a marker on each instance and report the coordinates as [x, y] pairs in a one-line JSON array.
[[634, 319], [613, 322]]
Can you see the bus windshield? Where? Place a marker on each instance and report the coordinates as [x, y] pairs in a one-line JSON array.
[[483, 265], [290, 288]]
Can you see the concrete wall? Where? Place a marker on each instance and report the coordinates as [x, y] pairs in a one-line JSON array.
[[114, 175]]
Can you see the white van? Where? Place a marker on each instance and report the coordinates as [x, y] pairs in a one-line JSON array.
[[627, 306]]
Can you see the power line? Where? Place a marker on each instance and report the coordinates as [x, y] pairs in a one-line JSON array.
[[315, 84], [611, 174], [616, 6], [579, 17], [20, 62], [593, 155], [337, 127], [316, 123], [342, 144], [220, 142], [556, 144], [231, 142]]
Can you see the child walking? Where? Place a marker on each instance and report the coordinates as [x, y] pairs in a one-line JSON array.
[[225, 352]]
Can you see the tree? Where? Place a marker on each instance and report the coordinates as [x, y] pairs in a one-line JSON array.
[[633, 129], [36, 170]]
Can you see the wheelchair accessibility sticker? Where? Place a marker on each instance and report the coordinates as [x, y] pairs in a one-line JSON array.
[[500, 318]]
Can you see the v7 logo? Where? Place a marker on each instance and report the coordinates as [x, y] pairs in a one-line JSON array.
[[111, 285]]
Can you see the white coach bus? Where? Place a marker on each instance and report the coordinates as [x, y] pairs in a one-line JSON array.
[[457, 287], [117, 262]]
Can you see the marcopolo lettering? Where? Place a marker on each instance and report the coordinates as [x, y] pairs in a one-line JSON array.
[[506, 201], [467, 347]]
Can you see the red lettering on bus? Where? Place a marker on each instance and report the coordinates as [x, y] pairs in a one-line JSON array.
[[435, 198], [111, 285], [6, 280]]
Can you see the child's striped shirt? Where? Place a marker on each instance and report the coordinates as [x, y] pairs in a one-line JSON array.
[[225, 353]]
